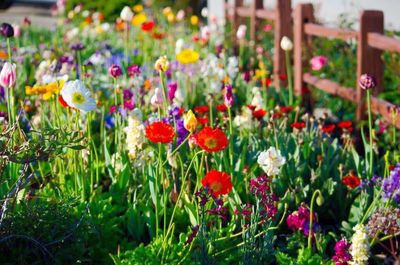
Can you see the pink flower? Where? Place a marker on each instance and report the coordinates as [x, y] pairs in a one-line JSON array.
[[318, 62], [8, 75], [267, 28], [114, 71]]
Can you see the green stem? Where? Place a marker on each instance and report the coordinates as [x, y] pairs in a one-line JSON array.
[[311, 217], [289, 76], [371, 150]]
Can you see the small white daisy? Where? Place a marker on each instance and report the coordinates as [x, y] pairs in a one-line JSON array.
[[77, 96]]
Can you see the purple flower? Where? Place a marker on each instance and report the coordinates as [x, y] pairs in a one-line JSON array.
[[367, 82], [128, 94], [129, 104], [6, 30], [114, 71], [342, 255], [391, 185], [2, 94], [172, 87], [133, 70], [109, 121], [77, 46], [182, 133], [228, 96]]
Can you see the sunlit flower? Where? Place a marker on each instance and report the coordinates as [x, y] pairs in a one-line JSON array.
[[46, 90], [286, 44], [271, 161], [160, 132], [76, 95], [212, 140], [187, 56], [218, 182], [162, 64], [190, 121]]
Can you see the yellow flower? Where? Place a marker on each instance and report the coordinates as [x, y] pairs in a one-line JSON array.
[[167, 10], [187, 56], [137, 8], [162, 64], [194, 20], [139, 19], [189, 121], [171, 17], [47, 91]]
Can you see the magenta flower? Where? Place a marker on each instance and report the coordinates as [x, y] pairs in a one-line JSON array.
[[318, 62], [114, 70], [172, 87], [228, 96], [133, 70]]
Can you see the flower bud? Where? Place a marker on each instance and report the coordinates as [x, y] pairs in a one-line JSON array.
[[367, 82], [286, 44], [241, 32], [6, 30], [126, 14], [114, 71], [157, 99], [190, 121], [320, 200], [162, 64], [8, 75]]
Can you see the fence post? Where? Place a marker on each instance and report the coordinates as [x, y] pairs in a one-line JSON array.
[[283, 27], [235, 19], [369, 59], [255, 4], [303, 13]]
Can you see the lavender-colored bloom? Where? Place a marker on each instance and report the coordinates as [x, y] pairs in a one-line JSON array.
[[391, 185], [116, 58], [182, 133], [66, 59], [172, 87]]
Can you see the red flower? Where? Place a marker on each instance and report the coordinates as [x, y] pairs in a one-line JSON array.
[[201, 109], [202, 120], [328, 128], [62, 101], [351, 181], [277, 115], [259, 114], [212, 140], [298, 125], [267, 82], [218, 182], [222, 107], [251, 107], [345, 124], [285, 109], [159, 132], [147, 26], [282, 77]]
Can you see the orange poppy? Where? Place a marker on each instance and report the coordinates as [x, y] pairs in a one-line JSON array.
[[159, 132], [218, 182]]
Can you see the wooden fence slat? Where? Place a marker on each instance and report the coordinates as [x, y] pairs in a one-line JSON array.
[[369, 59], [266, 14], [322, 31], [384, 108], [304, 13], [382, 42], [283, 27], [330, 87], [235, 19], [255, 5]]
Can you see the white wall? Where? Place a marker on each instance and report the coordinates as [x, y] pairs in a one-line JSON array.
[[327, 11]]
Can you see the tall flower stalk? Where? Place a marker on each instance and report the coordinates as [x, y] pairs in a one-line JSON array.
[[287, 46]]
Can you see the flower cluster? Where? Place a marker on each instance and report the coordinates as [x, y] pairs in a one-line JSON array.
[[384, 221], [391, 185], [342, 255], [359, 249], [135, 135], [260, 187]]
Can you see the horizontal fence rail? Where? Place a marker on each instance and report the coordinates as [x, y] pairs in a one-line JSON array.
[[300, 25]]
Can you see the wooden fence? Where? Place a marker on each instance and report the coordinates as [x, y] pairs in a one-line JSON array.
[[370, 38]]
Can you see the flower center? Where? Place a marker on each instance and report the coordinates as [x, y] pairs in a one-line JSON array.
[[78, 98], [216, 186], [211, 142]]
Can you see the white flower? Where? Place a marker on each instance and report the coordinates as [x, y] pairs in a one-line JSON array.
[[359, 249], [233, 66], [157, 99], [204, 12], [180, 15], [271, 161], [241, 32], [286, 44], [179, 45], [126, 14], [205, 32], [77, 96], [135, 135]]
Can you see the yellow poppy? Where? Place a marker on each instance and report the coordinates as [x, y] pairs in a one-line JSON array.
[[187, 56]]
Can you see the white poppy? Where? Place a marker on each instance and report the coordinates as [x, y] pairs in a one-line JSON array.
[[271, 161], [77, 96]]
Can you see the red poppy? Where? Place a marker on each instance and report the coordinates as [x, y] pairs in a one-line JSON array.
[[285, 109], [218, 182], [201, 109], [212, 140], [351, 181], [328, 128], [222, 107], [148, 26], [277, 115], [259, 114], [345, 124], [267, 82], [62, 101], [202, 120], [159, 132], [298, 125]]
